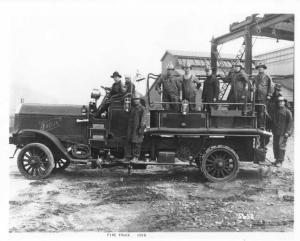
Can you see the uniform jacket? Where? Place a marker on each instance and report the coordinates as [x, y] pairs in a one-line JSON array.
[[116, 89], [240, 86], [130, 87], [189, 88], [137, 120], [210, 89], [170, 85], [264, 87], [282, 121]]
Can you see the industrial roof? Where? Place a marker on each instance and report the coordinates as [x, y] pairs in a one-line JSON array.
[[194, 54], [274, 51]]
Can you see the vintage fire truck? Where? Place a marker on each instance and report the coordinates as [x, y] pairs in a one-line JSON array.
[[50, 137]]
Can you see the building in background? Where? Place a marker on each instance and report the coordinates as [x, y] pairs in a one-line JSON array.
[[280, 65], [198, 61]]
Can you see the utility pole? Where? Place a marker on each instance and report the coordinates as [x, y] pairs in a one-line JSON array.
[[214, 56], [248, 50]]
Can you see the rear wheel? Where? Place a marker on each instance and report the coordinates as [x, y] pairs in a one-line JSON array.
[[35, 161], [220, 163]]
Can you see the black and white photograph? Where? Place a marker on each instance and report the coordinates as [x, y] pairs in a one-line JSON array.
[[134, 119]]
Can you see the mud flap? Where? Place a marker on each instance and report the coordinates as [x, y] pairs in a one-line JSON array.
[[259, 155]]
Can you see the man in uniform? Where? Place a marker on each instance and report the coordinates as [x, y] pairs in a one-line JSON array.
[[170, 88], [281, 129], [263, 91], [189, 86], [272, 105], [135, 130], [116, 90], [240, 85], [210, 88], [129, 86]]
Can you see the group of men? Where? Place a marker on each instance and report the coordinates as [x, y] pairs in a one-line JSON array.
[[174, 90], [118, 88], [137, 115], [267, 97]]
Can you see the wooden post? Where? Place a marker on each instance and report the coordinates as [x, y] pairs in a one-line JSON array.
[[214, 56], [248, 50]]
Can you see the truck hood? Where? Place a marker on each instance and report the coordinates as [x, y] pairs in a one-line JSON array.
[[45, 109]]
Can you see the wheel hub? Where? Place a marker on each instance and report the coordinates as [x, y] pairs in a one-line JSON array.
[[220, 164], [35, 161]]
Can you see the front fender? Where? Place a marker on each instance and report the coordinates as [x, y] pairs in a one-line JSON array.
[[26, 136]]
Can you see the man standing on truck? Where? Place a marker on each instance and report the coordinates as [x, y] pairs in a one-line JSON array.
[[263, 91], [210, 89], [129, 86], [169, 87], [240, 86], [281, 129], [135, 130], [189, 86]]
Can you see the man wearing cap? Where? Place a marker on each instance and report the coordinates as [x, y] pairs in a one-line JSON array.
[[210, 88], [135, 129], [240, 85], [272, 105], [169, 87], [281, 129], [263, 91], [129, 86], [189, 86]]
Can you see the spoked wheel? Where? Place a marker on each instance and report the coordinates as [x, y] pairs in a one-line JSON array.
[[35, 161], [61, 164], [220, 163]]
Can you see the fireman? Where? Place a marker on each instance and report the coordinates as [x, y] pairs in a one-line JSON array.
[[240, 85], [189, 86], [170, 89], [263, 91], [272, 105], [281, 129], [210, 88], [135, 129], [129, 86], [117, 90]]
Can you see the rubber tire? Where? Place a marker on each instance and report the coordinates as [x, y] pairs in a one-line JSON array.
[[212, 149], [49, 155]]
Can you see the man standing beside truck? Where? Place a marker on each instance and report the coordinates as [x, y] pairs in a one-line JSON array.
[[135, 129], [282, 128]]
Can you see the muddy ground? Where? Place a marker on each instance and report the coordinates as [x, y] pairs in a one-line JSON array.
[[155, 199]]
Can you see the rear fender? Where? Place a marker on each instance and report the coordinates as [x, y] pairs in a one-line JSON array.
[[26, 136]]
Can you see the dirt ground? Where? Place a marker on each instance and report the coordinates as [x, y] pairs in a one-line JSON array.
[[155, 199]]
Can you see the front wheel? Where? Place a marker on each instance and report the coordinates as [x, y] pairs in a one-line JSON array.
[[220, 163], [35, 161]]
